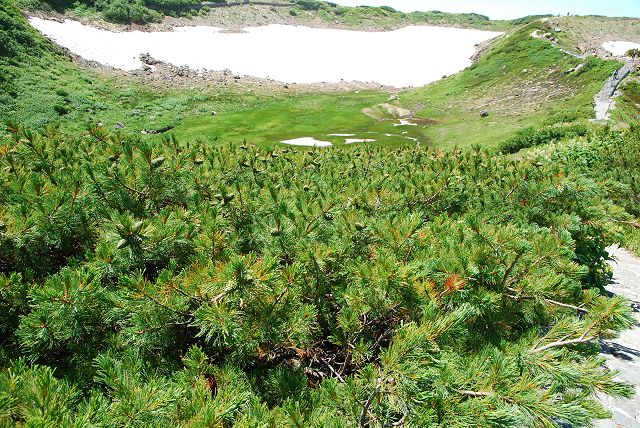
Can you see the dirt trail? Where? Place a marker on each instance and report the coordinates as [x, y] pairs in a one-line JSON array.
[[604, 99], [623, 353]]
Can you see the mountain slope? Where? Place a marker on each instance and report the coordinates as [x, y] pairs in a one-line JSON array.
[[520, 81]]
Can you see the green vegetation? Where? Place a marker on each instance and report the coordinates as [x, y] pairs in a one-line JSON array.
[[520, 81], [124, 11], [533, 137], [118, 11], [198, 280], [209, 284], [628, 103]]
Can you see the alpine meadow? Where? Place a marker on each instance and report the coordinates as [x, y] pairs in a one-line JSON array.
[[190, 247]]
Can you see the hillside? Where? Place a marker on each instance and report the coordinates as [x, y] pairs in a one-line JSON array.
[[166, 261], [520, 81], [235, 15]]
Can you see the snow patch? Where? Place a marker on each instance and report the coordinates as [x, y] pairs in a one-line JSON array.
[[619, 48], [308, 142], [404, 122], [292, 54]]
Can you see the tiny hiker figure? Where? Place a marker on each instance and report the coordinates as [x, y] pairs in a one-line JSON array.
[[615, 75]]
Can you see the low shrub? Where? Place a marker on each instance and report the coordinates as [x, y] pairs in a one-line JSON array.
[[633, 53], [309, 4], [532, 137], [568, 116], [126, 11]]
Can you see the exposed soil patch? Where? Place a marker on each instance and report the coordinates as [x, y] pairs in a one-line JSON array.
[[387, 111], [519, 98]]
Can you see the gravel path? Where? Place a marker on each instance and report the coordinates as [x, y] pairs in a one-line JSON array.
[[604, 98], [623, 353]]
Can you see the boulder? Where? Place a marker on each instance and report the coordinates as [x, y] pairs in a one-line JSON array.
[[148, 59]]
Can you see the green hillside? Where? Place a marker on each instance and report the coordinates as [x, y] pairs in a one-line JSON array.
[[526, 74], [208, 276]]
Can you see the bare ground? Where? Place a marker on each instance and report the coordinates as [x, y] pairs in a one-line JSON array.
[[586, 34]]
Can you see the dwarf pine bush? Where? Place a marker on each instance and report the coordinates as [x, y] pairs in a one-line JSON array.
[[179, 284]]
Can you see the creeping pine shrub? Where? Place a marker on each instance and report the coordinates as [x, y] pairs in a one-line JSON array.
[[633, 53], [309, 4], [177, 284], [590, 63], [17, 38], [568, 116], [340, 10], [532, 137], [126, 11]]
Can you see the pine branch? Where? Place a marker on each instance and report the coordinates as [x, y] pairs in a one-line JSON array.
[[566, 305], [159, 303], [475, 393], [365, 408], [563, 342], [511, 266], [551, 301], [483, 394], [340, 378]]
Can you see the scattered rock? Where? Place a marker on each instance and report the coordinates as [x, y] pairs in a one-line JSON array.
[[214, 113], [484, 113], [148, 59], [119, 125], [159, 130]]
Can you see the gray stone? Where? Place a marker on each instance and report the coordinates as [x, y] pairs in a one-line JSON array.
[[623, 353]]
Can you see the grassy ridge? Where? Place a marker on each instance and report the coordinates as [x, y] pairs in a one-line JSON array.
[[520, 81], [124, 11]]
